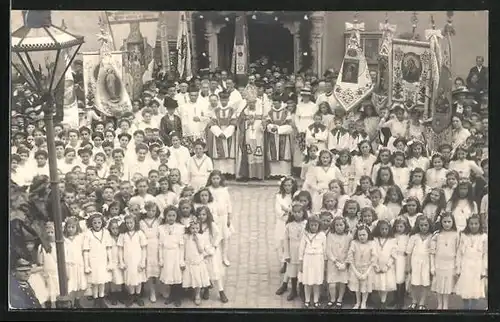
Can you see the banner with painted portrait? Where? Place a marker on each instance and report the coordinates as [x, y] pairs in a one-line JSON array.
[[410, 67]]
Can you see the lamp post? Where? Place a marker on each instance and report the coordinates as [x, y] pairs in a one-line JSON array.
[[39, 43]]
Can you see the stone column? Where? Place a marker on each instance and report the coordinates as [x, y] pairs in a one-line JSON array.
[[317, 32], [294, 28], [211, 34]]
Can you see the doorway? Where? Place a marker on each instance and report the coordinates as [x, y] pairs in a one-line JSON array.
[[265, 38]]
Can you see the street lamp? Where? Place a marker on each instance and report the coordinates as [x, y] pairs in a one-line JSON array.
[[39, 43]]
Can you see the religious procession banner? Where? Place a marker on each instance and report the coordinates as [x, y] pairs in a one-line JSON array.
[[380, 93], [354, 82], [239, 64], [70, 103], [184, 67], [91, 65], [410, 67]]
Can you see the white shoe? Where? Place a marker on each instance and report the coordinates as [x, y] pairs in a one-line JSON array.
[[226, 262], [363, 306], [356, 306], [152, 298]]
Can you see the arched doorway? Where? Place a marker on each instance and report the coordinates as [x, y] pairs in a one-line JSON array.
[[270, 39]]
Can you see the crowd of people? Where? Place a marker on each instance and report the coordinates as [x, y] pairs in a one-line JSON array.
[[363, 201]]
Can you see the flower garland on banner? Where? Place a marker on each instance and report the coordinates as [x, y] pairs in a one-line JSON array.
[[354, 82]]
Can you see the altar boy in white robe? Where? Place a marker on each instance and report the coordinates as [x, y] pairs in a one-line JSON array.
[[341, 139], [317, 134], [194, 119], [278, 139], [221, 141]]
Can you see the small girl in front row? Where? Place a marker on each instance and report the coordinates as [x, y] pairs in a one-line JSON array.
[[384, 277], [294, 229], [419, 261], [73, 243], [150, 226], [443, 249], [361, 258], [282, 203], [171, 255], [337, 245], [48, 261], [115, 290], [312, 258], [401, 229], [132, 256], [195, 275], [97, 257], [472, 263]]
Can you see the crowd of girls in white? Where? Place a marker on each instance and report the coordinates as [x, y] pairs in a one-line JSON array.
[[175, 244], [391, 224]]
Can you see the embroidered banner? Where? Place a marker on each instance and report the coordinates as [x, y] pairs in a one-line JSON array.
[[354, 82], [184, 48], [410, 67], [380, 92], [240, 49]]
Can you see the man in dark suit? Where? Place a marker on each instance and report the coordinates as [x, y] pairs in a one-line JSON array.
[[481, 72], [21, 294]]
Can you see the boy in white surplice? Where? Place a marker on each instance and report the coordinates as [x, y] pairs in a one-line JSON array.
[[221, 140], [278, 139]]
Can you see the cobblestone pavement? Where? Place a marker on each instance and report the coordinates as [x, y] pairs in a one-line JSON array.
[[253, 277]]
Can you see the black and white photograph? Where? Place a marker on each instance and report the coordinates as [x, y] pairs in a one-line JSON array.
[[205, 160]]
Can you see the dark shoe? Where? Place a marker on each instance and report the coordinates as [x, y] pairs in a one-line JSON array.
[[283, 288], [47, 304], [177, 303], [77, 304], [383, 306], [169, 300], [102, 303], [97, 303], [283, 268], [338, 305], [139, 300], [205, 293], [113, 298], [129, 300], [223, 297]]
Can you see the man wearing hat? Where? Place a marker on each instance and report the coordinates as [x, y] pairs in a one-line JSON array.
[[481, 72], [459, 97], [21, 293]]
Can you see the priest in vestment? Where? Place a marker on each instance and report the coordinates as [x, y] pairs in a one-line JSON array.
[[221, 140], [250, 139], [278, 147]]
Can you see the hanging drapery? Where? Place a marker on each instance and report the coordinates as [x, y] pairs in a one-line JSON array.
[[184, 48], [354, 82]]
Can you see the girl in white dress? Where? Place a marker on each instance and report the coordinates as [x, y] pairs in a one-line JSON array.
[[351, 214], [383, 159], [443, 249], [362, 192], [463, 166], [150, 226], [411, 210], [462, 204], [213, 237], [132, 253], [384, 268], [48, 261], [417, 156], [337, 244], [179, 156], [174, 178], [434, 204], [199, 166], [344, 163], [361, 258], [171, 255], [73, 243], [97, 257], [435, 176], [417, 187], [167, 196], [368, 217], [319, 177], [363, 163], [115, 291], [312, 250], [400, 171], [330, 204], [472, 263], [393, 202], [336, 186], [310, 160], [401, 229], [377, 205], [217, 186], [196, 248], [282, 208], [142, 196], [420, 260], [451, 184], [36, 279]]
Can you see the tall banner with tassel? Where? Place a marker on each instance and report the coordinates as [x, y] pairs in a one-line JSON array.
[[354, 82], [380, 93], [184, 48], [239, 64], [441, 104], [111, 97]]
